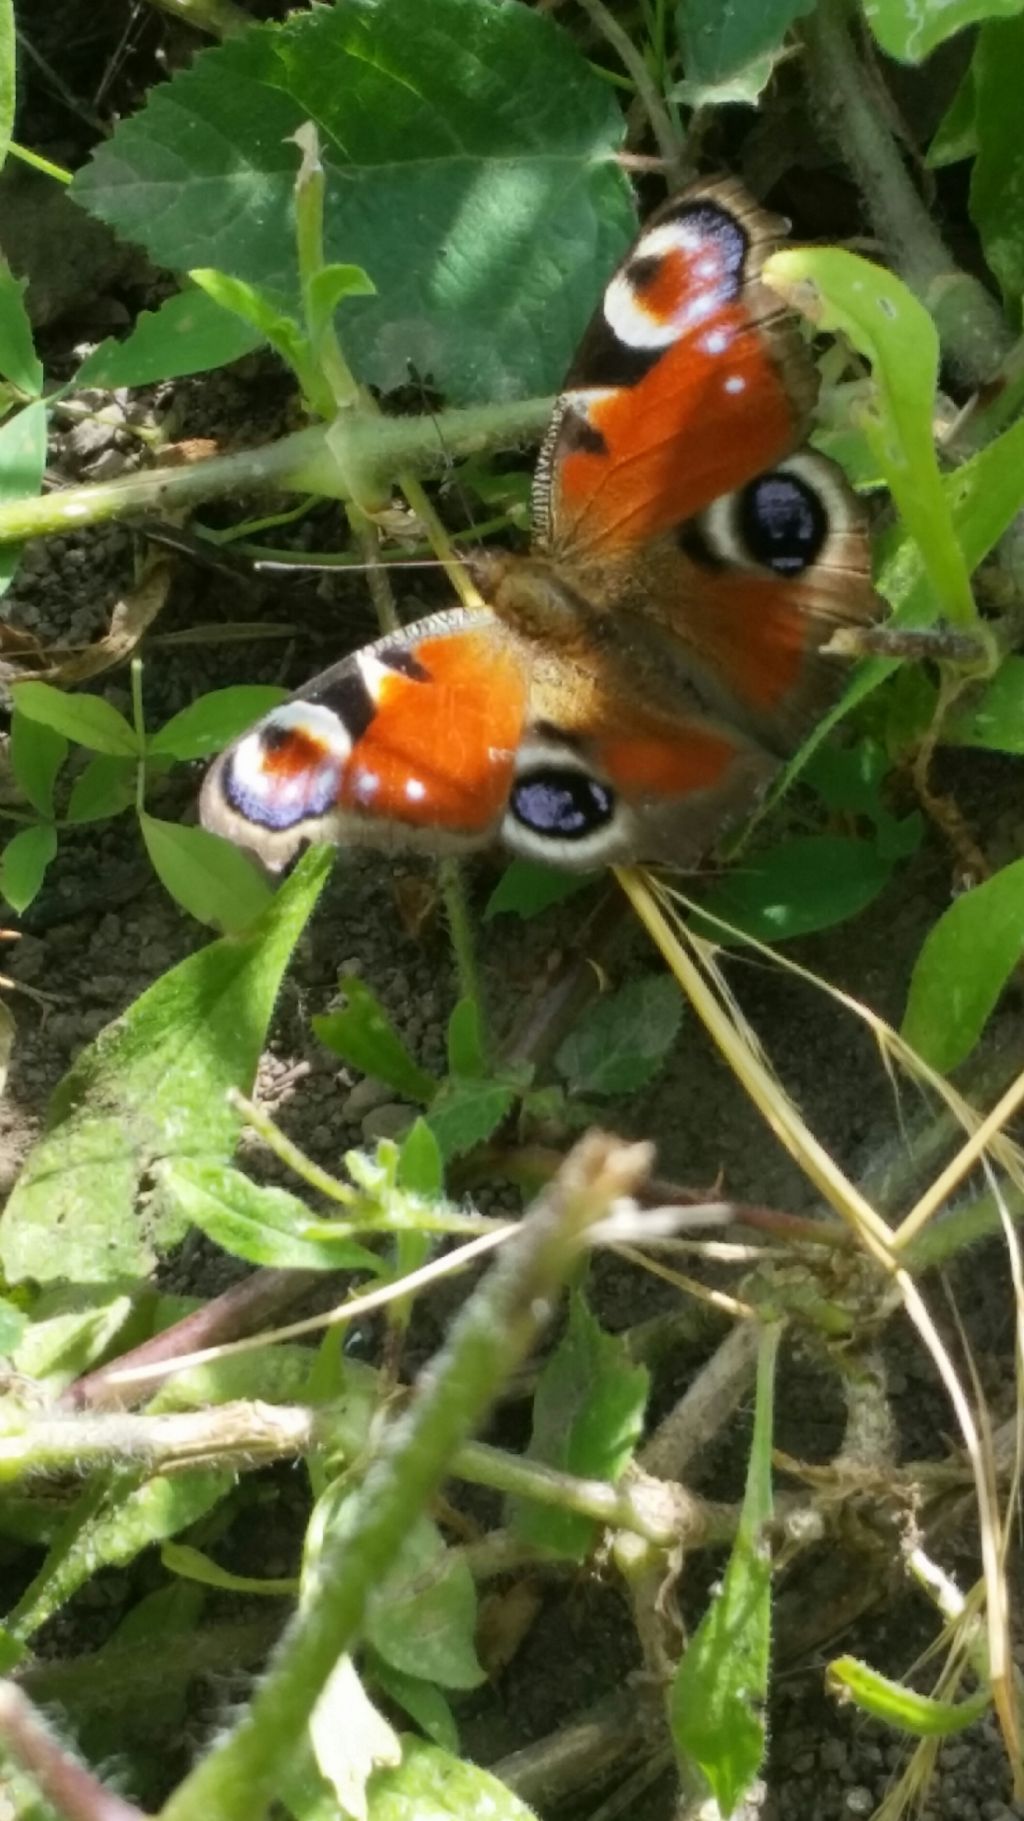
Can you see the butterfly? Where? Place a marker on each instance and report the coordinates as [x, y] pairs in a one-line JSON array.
[[639, 676]]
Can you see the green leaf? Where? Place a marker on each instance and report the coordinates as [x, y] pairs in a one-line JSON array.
[[363, 1035], [152, 1085], [265, 1226], [719, 38], [210, 877], [921, 1715], [249, 304], [192, 1565], [349, 1741], [463, 1113], [24, 861], [422, 1618], [995, 720], [8, 76], [743, 86], [129, 1520], [13, 1322], [588, 1415], [998, 173], [956, 136], [103, 788], [885, 322], [420, 1164], [526, 888], [37, 754], [88, 720], [469, 155], [963, 967], [327, 289], [431, 1783], [622, 1041], [910, 30], [721, 1685], [466, 1052], [808, 883], [209, 723], [19, 362], [187, 333], [422, 1701], [22, 464], [72, 1327]]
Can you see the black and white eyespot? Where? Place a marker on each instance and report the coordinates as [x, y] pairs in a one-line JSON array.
[[781, 521], [279, 799], [714, 246], [558, 809]]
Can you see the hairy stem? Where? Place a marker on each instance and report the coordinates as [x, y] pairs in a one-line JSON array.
[[971, 326]]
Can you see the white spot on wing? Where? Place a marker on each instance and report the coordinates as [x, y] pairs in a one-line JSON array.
[[735, 383], [415, 790]]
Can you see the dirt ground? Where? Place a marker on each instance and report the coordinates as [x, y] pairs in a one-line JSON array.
[[103, 930]]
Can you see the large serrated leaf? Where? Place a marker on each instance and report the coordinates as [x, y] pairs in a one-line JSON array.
[[469, 157], [153, 1085]]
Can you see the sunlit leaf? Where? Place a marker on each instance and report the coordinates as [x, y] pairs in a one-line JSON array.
[[922, 1716], [211, 878], [911, 29], [24, 861], [964, 964], [262, 1224], [88, 720], [187, 333]]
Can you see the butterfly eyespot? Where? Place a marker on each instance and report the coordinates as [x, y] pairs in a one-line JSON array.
[[561, 803], [782, 522]]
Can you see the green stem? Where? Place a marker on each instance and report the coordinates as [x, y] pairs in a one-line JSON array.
[[139, 722], [324, 459], [971, 326], [496, 1329], [39, 163], [460, 928], [668, 141]]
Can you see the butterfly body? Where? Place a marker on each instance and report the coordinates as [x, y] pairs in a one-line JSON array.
[[640, 674]]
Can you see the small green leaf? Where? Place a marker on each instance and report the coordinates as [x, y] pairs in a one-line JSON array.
[[588, 1415], [22, 465], [103, 788], [187, 333], [995, 720], [963, 967], [422, 1618], [152, 1085], [13, 1322], [327, 289], [466, 1053], [420, 1164], [465, 1113], [911, 31], [430, 1782], [24, 861], [743, 86], [209, 877], [72, 1326], [215, 719], [128, 1520], [998, 172], [422, 1701], [37, 754], [956, 136], [811, 882], [265, 1226], [19, 361], [622, 1041], [887, 324], [721, 1685], [250, 305], [192, 1565], [884, 1699], [719, 38], [363, 1035], [526, 888], [88, 720]]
